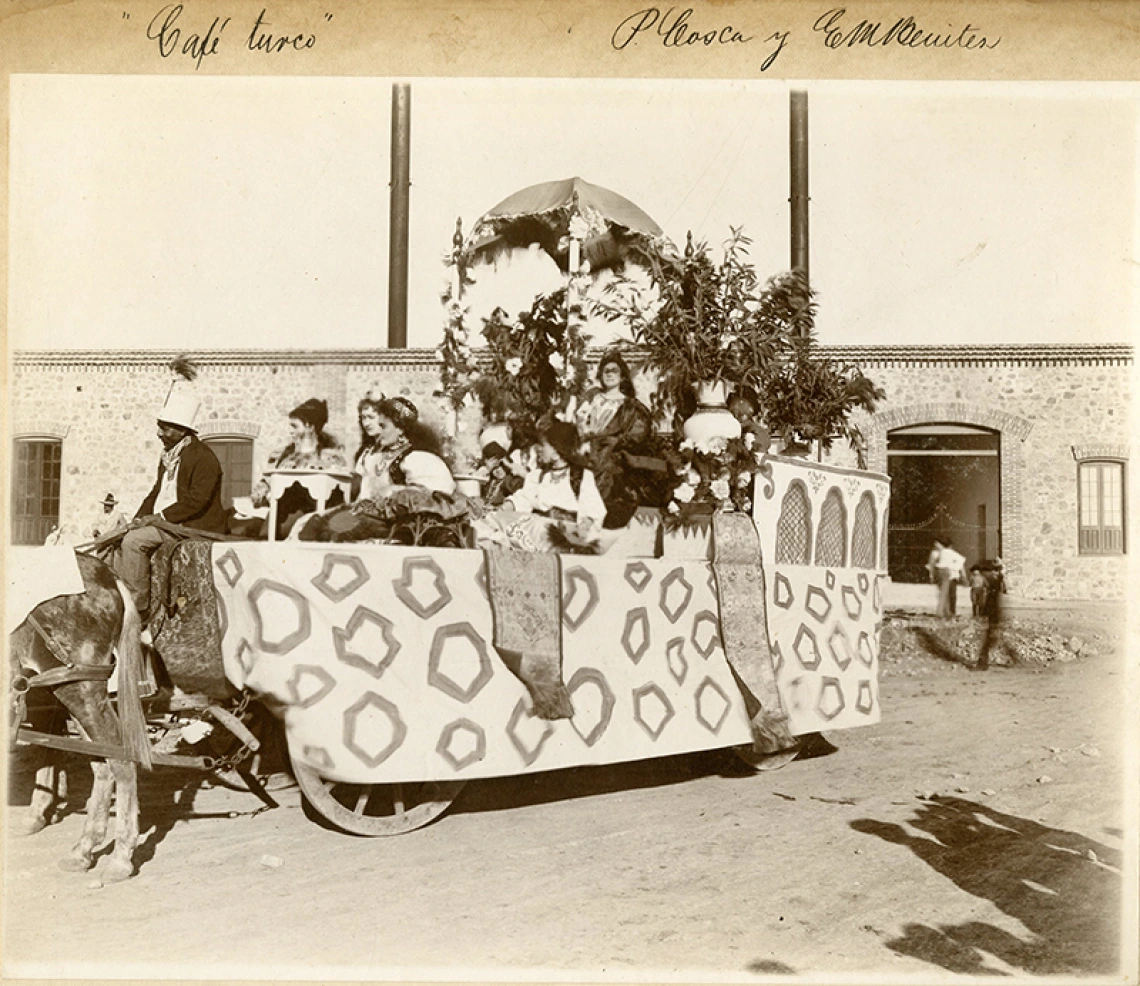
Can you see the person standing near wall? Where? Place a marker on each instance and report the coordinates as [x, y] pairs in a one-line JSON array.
[[945, 566], [109, 518], [994, 572]]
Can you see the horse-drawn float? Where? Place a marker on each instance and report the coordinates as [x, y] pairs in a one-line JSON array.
[[401, 672]]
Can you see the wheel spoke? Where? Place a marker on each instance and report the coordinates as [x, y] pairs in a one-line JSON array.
[[362, 799], [375, 809]]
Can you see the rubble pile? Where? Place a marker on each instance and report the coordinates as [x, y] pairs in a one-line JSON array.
[[911, 641]]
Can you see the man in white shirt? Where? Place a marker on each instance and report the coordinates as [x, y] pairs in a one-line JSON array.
[[947, 566]]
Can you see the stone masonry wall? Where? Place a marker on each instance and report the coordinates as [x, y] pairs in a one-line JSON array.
[[1042, 412], [104, 409]]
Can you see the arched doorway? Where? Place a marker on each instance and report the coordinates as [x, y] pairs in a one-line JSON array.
[[945, 485]]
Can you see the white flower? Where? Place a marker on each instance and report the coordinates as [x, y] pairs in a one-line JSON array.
[[455, 311], [673, 508], [714, 446], [727, 340], [579, 228], [759, 457], [749, 440], [557, 361], [743, 479], [719, 489], [692, 477], [747, 504], [513, 365], [684, 493]]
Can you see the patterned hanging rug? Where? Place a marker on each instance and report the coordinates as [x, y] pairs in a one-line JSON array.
[[525, 588], [744, 628]]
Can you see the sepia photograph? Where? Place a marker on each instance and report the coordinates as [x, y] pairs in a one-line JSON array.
[[609, 521]]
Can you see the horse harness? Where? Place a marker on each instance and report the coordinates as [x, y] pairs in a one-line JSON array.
[[66, 674]]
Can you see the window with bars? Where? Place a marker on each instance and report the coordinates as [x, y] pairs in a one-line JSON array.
[[831, 538], [1101, 507], [235, 455], [864, 538], [793, 530], [36, 468]]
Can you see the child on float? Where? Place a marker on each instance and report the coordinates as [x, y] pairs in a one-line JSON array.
[[558, 506]]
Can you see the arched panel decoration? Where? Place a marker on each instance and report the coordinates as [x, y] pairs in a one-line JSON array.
[[793, 530], [864, 537], [831, 538]]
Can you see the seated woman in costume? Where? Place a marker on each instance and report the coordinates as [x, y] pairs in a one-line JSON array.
[[401, 475], [311, 447], [619, 431], [558, 506]]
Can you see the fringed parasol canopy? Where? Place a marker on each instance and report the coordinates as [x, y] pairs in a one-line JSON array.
[[606, 223]]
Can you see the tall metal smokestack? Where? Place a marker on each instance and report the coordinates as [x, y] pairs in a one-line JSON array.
[[798, 145], [398, 216]]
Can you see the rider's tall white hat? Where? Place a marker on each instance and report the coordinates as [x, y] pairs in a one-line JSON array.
[[180, 409]]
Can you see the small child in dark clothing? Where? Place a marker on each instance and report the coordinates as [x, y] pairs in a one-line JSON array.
[[501, 480], [978, 590], [994, 573]]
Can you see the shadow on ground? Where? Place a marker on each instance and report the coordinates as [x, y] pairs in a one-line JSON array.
[[499, 793], [1064, 888]]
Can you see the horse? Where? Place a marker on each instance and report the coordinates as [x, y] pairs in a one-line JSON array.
[[72, 641]]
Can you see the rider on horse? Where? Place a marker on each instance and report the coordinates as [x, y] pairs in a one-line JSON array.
[[187, 491]]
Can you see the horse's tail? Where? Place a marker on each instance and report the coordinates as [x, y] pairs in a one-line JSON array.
[[132, 722]]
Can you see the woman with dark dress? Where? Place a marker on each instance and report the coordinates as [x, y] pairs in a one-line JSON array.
[[310, 447], [618, 431]]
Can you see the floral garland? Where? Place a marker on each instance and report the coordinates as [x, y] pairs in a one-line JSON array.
[[536, 362], [713, 475], [460, 369]]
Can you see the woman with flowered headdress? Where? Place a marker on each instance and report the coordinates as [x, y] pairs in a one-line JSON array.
[[401, 474]]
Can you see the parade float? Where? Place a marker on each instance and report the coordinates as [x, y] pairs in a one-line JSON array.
[[741, 613]]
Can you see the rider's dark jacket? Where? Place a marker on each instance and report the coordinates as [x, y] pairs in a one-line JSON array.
[[199, 489]]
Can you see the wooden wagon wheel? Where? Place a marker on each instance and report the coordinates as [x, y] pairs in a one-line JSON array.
[[376, 809]]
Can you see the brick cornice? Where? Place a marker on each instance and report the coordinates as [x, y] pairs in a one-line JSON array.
[[956, 412], [40, 428], [240, 429], [1081, 452], [1036, 354]]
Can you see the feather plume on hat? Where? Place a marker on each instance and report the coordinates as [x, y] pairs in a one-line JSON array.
[[182, 367]]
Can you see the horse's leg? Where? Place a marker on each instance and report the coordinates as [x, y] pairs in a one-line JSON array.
[[121, 865], [43, 798], [82, 854], [90, 706]]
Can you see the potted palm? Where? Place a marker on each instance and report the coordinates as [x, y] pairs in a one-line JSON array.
[[809, 398], [708, 326]]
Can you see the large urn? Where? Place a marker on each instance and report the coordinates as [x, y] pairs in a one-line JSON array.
[[712, 418]]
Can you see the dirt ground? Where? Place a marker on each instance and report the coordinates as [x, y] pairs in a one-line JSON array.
[[978, 829]]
